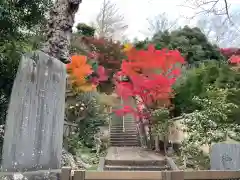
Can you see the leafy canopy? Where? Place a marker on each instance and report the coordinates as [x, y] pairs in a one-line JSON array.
[[191, 42]]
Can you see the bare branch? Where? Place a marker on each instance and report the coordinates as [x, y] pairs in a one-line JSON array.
[[227, 11], [209, 6], [109, 21], [220, 30], [161, 23]]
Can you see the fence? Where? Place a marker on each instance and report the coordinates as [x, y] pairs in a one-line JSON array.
[[67, 174]]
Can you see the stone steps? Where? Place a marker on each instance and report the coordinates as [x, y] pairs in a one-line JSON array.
[[127, 136], [135, 163], [120, 132], [125, 144], [138, 165], [125, 126], [135, 168], [123, 136]]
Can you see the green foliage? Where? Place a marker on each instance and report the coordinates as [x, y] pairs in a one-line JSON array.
[[195, 81], [74, 143], [10, 54], [193, 157], [89, 115], [19, 16], [17, 19], [212, 119], [191, 42], [233, 96], [85, 30], [161, 121], [210, 124], [141, 44]]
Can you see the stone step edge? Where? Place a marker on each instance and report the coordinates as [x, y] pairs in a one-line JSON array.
[[162, 162]]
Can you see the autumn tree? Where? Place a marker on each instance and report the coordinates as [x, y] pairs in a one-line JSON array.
[[106, 53], [147, 75], [228, 52]]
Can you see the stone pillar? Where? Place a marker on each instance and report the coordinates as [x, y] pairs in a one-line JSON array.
[[34, 127]]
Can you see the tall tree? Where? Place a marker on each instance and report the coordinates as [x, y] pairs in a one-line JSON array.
[[191, 42], [110, 22], [216, 7], [220, 30], [161, 23]]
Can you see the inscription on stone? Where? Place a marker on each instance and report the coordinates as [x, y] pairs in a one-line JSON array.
[[225, 157]]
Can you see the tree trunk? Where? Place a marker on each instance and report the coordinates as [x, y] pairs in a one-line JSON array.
[[165, 142], [142, 133], [60, 29], [157, 147], [150, 135]]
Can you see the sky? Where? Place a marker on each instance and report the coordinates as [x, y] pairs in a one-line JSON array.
[[136, 13]]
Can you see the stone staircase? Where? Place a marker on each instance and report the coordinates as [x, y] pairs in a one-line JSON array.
[[133, 159], [125, 133], [125, 153]]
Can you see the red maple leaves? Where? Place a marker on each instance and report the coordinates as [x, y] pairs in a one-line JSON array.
[[228, 52], [233, 54], [149, 75], [234, 59]]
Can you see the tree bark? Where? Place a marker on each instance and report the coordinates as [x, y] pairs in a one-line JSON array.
[[60, 28], [165, 142], [142, 133]]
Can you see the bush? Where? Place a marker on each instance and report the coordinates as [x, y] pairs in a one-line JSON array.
[[210, 124], [85, 30], [195, 81], [88, 114]]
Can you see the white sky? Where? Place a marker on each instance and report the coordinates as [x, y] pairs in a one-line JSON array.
[[136, 12]]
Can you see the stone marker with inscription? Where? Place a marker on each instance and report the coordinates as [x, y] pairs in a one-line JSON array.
[[225, 157]]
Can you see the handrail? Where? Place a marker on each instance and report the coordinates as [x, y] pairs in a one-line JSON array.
[[123, 118], [110, 121]]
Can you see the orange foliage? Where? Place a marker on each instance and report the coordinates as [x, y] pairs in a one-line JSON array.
[[78, 70]]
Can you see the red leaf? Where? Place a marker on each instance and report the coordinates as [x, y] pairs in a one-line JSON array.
[[151, 74]]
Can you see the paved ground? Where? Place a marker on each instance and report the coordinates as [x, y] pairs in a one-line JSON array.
[[132, 153]]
